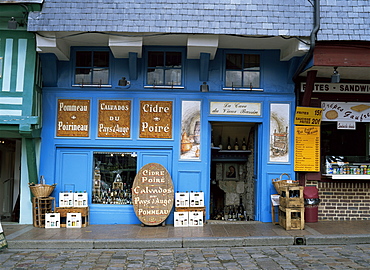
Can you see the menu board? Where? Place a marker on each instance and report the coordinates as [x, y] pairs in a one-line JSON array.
[[308, 116], [307, 148]]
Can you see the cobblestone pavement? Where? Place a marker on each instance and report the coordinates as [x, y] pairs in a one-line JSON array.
[[291, 257]]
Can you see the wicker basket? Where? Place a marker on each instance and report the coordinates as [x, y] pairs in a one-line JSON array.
[[279, 182], [41, 190]]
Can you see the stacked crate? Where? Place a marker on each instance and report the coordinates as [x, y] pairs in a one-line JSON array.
[[189, 209], [41, 206], [73, 209], [291, 208]]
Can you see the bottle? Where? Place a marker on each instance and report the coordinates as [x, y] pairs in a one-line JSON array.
[[220, 144], [241, 209], [236, 145], [244, 145], [228, 144], [212, 142]]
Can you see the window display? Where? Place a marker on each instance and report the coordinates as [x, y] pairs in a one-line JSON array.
[[114, 174]]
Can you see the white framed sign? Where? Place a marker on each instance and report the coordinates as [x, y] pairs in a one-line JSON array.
[[235, 108]]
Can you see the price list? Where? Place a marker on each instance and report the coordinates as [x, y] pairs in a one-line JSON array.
[[307, 148]]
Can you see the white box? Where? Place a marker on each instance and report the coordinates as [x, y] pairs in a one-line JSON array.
[[74, 220], [181, 219], [196, 219], [182, 199], [80, 199], [196, 199], [52, 220], [65, 199]]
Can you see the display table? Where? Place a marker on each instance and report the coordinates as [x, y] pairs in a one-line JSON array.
[[84, 211]]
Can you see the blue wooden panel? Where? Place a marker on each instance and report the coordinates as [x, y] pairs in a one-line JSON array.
[[189, 181], [72, 171]]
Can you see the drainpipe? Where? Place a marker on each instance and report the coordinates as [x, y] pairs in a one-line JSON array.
[[315, 29]]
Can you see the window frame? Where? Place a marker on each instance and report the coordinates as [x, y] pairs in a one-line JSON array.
[[91, 49], [165, 50], [243, 88]]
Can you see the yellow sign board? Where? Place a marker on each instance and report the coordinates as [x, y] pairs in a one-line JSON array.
[[307, 149], [308, 116]]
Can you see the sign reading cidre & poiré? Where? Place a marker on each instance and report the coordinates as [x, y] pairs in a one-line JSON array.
[[156, 119], [73, 118], [152, 194], [114, 118]]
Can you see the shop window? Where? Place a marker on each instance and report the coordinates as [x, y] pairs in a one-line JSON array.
[[164, 68], [242, 71], [114, 174], [92, 68]]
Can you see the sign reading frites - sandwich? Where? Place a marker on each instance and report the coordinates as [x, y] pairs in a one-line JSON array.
[[308, 116]]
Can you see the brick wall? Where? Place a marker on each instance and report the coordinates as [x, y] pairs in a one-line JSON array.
[[344, 201]]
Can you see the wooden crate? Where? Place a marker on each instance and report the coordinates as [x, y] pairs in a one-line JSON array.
[[292, 197], [41, 206], [291, 218], [84, 211]]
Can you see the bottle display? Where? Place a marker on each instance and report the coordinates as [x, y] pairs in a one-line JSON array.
[[244, 145], [228, 144], [236, 144], [220, 143], [113, 177]]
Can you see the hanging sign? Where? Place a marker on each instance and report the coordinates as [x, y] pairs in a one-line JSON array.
[[114, 118], [345, 111], [308, 116], [235, 108], [156, 119], [152, 194], [345, 88], [73, 118], [307, 148]]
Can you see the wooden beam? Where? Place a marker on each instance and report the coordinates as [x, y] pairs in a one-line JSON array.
[[310, 82]]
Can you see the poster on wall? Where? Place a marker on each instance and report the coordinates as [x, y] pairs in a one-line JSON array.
[[73, 118], [190, 130], [279, 132]]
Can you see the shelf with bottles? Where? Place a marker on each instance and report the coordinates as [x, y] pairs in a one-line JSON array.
[[337, 167]]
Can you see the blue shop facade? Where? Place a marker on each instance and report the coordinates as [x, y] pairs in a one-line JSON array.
[[220, 123]]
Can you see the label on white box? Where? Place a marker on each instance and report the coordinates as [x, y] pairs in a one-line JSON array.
[[65, 199], [197, 199], [80, 200], [182, 199], [195, 219], [74, 220], [52, 220], [181, 219]]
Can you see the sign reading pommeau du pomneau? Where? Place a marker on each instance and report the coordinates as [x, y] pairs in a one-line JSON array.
[[235, 108], [114, 118], [73, 118], [156, 119], [152, 194]]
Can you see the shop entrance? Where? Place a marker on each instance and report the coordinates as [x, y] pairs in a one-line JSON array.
[[9, 179], [233, 171]]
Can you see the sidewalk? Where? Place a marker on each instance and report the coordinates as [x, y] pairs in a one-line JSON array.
[[212, 234]]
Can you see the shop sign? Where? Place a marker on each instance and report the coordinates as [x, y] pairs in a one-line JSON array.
[[114, 118], [307, 148], [152, 194], [156, 119], [235, 108], [308, 116], [345, 88], [345, 111], [73, 118], [346, 125]]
